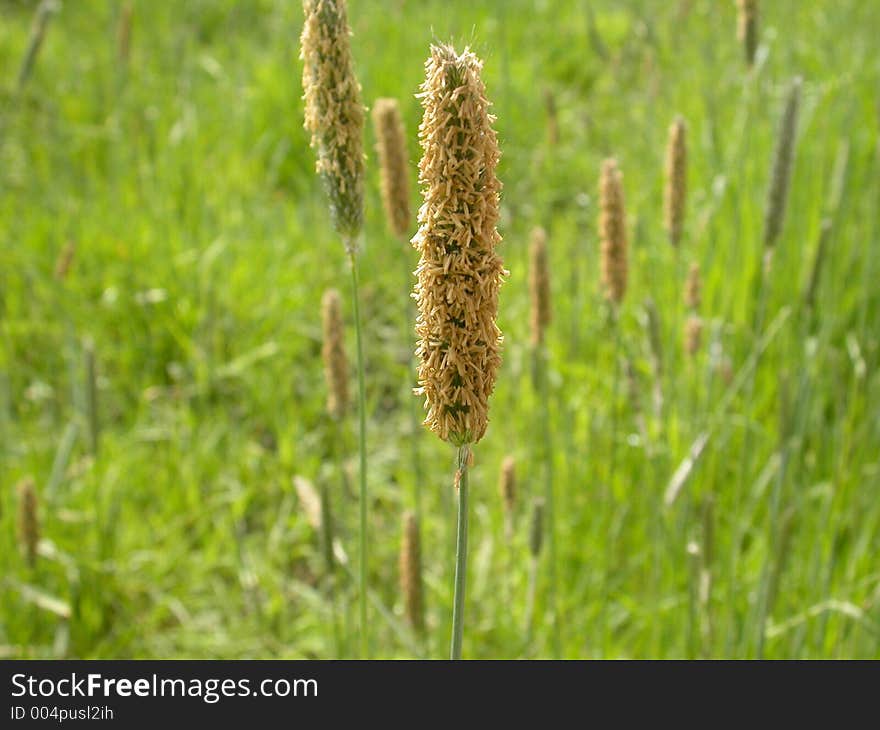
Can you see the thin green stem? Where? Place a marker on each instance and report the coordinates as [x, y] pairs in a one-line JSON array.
[[461, 478], [547, 459], [608, 489], [615, 395], [746, 454], [530, 603], [362, 449]]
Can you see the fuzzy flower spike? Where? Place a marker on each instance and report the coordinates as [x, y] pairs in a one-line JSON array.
[[334, 114], [459, 273]]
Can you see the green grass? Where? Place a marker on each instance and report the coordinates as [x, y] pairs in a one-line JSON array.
[[203, 247]]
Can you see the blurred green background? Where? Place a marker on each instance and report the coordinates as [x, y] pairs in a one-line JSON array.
[[179, 170]]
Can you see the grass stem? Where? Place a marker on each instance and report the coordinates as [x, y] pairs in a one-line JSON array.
[[362, 471], [461, 478], [543, 390]]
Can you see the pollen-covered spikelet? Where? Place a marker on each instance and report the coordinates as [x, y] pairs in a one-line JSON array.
[[393, 166], [28, 521], [675, 193], [459, 272], [507, 484], [747, 27], [780, 175], [334, 114], [693, 287], [612, 232], [693, 335], [539, 286], [333, 354], [411, 573]]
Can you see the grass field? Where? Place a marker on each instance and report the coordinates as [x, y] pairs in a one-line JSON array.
[[181, 173]]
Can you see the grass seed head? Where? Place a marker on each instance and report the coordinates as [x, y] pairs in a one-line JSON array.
[[64, 262], [780, 175], [459, 272], [539, 286], [747, 28], [536, 530], [612, 232], [675, 193], [655, 334], [393, 165], [552, 118], [28, 520], [334, 115], [693, 335], [123, 33], [411, 573], [507, 484], [693, 287], [310, 501], [333, 354]]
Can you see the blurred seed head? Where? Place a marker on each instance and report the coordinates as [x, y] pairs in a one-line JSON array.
[[655, 334], [612, 232], [310, 501], [552, 118], [334, 115], [693, 335], [539, 286], [536, 531], [693, 287], [747, 28], [333, 354], [459, 273], [65, 260], [675, 193], [393, 165], [123, 33], [507, 484], [28, 520], [780, 174], [411, 573]]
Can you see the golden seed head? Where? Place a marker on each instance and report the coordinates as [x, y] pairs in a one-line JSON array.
[[28, 521], [310, 501], [747, 27], [334, 114], [612, 232], [333, 354], [393, 165], [507, 484], [411, 573], [459, 272], [693, 335], [780, 175], [693, 287], [675, 193], [536, 531], [539, 286]]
